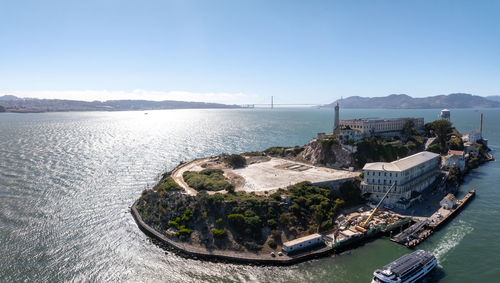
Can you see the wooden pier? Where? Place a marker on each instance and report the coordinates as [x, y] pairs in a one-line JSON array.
[[421, 230]]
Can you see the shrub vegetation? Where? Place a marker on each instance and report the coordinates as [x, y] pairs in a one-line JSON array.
[[374, 150], [275, 151], [218, 233], [207, 179], [253, 220], [167, 184], [235, 161]]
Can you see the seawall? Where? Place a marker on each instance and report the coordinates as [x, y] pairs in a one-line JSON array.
[[225, 256]]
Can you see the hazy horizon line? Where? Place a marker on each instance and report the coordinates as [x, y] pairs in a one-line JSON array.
[[179, 95]]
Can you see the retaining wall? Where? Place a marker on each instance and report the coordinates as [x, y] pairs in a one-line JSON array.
[[200, 253]]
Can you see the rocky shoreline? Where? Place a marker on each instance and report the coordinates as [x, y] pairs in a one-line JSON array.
[[194, 252]]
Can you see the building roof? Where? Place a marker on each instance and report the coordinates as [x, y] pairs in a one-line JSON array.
[[456, 152], [348, 233], [382, 119], [450, 197], [409, 261], [302, 239], [403, 163]]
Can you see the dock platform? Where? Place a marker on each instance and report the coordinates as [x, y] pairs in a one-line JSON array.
[[421, 230]]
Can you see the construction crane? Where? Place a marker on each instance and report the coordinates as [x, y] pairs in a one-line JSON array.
[[376, 207]]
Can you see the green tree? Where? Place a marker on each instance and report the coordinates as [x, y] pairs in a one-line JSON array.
[[436, 148], [236, 220], [408, 127], [351, 193], [456, 144], [455, 176], [441, 128], [284, 219], [272, 223], [218, 233], [235, 161]]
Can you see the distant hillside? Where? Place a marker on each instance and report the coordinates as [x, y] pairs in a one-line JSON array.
[[9, 97], [396, 101], [494, 98], [15, 104]]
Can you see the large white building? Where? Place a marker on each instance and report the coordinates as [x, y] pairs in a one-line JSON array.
[[302, 243], [380, 126], [410, 175]]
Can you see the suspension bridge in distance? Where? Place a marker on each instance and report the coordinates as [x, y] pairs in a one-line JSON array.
[[272, 104], [269, 105]]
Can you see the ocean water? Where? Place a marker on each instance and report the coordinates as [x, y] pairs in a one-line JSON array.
[[67, 181]]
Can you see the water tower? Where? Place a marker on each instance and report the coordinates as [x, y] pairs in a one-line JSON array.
[[445, 114]]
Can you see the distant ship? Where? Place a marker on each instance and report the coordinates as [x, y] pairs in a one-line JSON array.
[[408, 268]]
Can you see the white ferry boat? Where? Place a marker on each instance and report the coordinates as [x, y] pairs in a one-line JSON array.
[[408, 268]]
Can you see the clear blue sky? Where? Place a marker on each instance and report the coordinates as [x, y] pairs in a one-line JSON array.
[[246, 51]]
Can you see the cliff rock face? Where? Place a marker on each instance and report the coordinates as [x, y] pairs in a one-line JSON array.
[[332, 155]]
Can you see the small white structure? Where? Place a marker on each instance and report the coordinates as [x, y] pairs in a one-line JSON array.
[[445, 114], [345, 134], [302, 243], [474, 136], [449, 202], [454, 158]]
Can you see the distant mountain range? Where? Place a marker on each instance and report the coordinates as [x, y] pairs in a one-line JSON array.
[[10, 103], [403, 101], [494, 97]]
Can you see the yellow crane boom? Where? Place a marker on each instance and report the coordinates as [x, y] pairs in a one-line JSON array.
[[378, 205]]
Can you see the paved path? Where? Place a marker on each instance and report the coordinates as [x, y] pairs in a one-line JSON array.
[[429, 142], [177, 174]]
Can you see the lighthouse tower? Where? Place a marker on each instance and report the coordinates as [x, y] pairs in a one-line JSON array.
[[336, 122]]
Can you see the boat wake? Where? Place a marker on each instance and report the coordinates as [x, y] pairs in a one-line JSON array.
[[451, 239]]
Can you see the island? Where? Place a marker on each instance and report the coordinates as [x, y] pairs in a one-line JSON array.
[[285, 205]]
